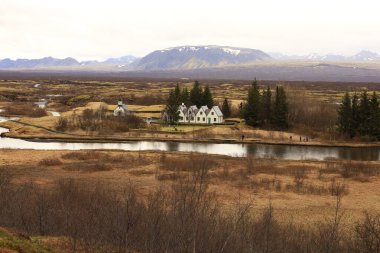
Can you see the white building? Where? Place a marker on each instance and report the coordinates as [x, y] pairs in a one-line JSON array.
[[203, 115], [121, 109]]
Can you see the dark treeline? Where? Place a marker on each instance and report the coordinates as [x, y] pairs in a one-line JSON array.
[[184, 218], [196, 96], [261, 110], [359, 115]]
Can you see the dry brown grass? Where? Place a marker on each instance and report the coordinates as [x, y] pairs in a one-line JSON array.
[[93, 166], [294, 187]]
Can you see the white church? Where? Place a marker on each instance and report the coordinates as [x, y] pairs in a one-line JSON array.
[[121, 109], [202, 115]]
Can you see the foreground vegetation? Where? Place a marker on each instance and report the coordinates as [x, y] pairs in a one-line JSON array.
[[105, 201], [185, 213]]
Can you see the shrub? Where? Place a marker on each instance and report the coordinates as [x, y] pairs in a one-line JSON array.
[[50, 162], [61, 125]]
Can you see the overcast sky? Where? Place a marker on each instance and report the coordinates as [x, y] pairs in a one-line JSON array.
[[101, 29]]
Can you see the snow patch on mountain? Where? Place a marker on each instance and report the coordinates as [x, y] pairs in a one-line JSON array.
[[231, 51]]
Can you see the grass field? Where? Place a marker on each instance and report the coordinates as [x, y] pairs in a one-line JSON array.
[[301, 191]]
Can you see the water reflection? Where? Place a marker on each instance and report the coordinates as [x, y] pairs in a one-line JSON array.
[[258, 150], [364, 154]]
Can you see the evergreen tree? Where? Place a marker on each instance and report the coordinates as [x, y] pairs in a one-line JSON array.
[[177, 92], [172, 105], [241, 109], [226, 108], [252, 107], [196, 95], [355, 118], [207, 97], [374, 122], [185, 96], [280, 110], [345, 115], [267, 106], [364, 114]]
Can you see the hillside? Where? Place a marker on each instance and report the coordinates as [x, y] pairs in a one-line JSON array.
[[195, 57]]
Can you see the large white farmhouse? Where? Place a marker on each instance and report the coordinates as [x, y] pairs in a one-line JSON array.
[[202, 115]]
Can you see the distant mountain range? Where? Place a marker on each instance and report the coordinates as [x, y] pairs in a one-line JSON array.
[[195, 57], [54, 62], [363, 55], [184, 58]]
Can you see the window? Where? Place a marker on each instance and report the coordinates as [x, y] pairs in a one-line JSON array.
[[204, 119], [187, 118], [181, 118], [201, 113], [198, 119], [212, 113], [214, 119]]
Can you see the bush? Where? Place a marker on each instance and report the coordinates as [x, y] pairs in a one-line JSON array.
[[61, 125], [38, 112], [50, 162]]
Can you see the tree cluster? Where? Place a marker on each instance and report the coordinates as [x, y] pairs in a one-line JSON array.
[[359, 115], [261, 110], [99, 121], [196, 96]]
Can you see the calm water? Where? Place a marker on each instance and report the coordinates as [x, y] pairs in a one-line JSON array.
[[259, 150]]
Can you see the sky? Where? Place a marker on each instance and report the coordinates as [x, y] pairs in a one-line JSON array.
[[96, 30]]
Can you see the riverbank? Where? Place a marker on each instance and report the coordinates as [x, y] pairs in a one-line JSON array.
[[27, 131]]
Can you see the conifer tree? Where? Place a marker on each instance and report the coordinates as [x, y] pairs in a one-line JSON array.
[[196, 95], [267, 106], [345, 115], [280, 110], [226, 108], [177, 92], [364, 114], [172, 105], [241, 109], [207, 98], [253, 106], [355, 118], [374, 123], [185, 96]]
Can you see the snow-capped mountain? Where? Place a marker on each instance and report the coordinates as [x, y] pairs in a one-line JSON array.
[[365, 55], [193, 57]]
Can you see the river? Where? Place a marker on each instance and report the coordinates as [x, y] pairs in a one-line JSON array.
[[289, 152]]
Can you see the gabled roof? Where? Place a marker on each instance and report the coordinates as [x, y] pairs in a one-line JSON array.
[[183, 110], [205, 108], [217, 110]]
